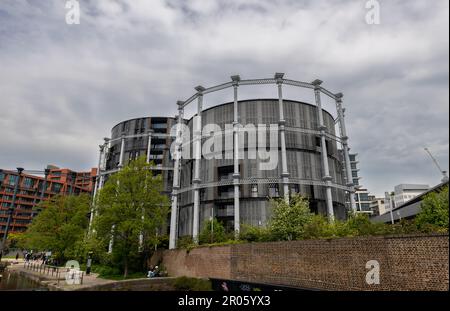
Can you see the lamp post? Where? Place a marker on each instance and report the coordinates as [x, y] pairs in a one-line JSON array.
[[89, 263], [11, 209]]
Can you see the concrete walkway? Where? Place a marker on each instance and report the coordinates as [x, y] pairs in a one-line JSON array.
[[52, 280]]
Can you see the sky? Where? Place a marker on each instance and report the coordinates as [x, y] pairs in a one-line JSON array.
[[63, 87]]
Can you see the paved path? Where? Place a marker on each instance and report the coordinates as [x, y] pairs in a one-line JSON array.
[[52, 280]]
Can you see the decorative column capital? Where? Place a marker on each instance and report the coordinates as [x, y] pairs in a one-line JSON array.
[[339, 97], [279, 78], [317, 84], [235, 79], [200, 90], [180, 104], [322, 129], [327, 178]]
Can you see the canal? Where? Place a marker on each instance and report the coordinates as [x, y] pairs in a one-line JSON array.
[[10, 280]]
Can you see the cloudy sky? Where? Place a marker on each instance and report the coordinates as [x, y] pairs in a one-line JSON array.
[[63, 87]]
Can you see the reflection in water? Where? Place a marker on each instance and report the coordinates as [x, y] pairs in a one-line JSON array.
[[14, 281]]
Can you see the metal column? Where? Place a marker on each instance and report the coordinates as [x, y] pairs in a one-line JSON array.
[[176, 181], [236, 175], [345, 149], [122, 152], [326, 171], [282, 123], [149, 146], [96, 185], [197, 127], [120, 166]]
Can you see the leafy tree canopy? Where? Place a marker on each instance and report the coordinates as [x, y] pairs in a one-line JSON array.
[[131, 208], [60, 226], [434, 212]]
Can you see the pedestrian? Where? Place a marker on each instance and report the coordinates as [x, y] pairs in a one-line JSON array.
[[17, 256]]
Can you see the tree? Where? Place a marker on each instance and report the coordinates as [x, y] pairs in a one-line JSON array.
[[212, 234], [434, 211], [60, 226], [129, 205], [288, 220]]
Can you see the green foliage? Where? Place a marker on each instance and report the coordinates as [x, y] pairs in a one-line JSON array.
[[434, 212], [213, 234], [132, 204], [255, 234], [16, 240], [192, 284], [288, 220], [60, 227], [318, 227], [186, 242], [295, 221]]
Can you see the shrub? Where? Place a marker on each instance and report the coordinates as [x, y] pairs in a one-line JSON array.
[[192, 284], [216, 235], [185, 242], [255, 234], [434, 212], [288, 220], [317, 227], [106, 271]]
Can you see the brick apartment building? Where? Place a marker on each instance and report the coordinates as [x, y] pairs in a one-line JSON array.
[[30, 192]]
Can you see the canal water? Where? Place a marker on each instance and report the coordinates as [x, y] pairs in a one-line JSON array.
[[14, 281]]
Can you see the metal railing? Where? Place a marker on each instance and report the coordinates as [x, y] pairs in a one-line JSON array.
[[53, 271]]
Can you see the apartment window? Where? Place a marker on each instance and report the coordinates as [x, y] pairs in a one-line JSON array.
[[254, 190], [28, 182], [2, 176], [295, 189], [56, 187], [318, 141], [159, 125], [273, 191], [12, 180]]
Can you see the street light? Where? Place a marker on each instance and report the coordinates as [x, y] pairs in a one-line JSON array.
[[11, 209]]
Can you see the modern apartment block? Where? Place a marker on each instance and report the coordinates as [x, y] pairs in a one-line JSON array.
[[150, 137], [228, 182], [378, 206], [33, 189], [363, 200], [405, 192]]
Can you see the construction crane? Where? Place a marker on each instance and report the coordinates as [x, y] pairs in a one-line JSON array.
[[444, 173]]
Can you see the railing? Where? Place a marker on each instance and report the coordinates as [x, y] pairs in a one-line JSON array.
[[53, 271]]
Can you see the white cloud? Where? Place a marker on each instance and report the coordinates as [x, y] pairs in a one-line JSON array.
[[63, 87]]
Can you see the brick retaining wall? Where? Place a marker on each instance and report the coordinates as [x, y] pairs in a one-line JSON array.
[[407, 262]]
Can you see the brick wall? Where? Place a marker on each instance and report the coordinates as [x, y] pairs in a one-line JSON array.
[[409, 262]]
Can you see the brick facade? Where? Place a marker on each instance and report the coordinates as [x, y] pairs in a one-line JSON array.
[[407, 262]]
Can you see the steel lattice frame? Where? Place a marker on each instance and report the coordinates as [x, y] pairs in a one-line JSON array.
[[284, 179]]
